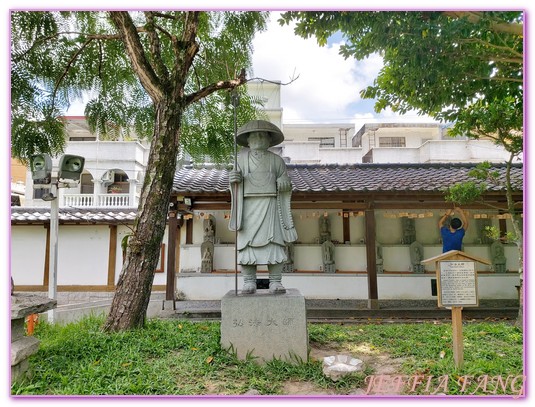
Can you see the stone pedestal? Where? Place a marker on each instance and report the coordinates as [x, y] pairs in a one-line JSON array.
[[22, 347], [265, 326]]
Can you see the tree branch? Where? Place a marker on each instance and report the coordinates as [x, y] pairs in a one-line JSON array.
[[498, 27], [519, 56], [188, 40], [66, 70], [155, 48], [208, 90], [135, 51], [231, 84]]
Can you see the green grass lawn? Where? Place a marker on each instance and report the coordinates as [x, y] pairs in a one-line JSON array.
[[172, 357]]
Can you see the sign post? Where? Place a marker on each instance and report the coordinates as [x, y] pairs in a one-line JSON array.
[[457, 288]]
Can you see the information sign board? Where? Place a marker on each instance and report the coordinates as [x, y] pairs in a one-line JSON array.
[[457, 284]]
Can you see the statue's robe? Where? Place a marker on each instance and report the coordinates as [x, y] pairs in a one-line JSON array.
[[260, 212]]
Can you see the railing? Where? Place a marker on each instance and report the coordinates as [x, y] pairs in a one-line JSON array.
[[102, 200]]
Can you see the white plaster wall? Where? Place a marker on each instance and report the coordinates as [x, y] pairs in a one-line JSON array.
[[346, 286], [83, 255], [190, 257], [357, 229], [340, 155], [413, 287], [28, 245], [346, 257], [213, 287], [161, 278], [490, 286], [302, 151], [396, 155]]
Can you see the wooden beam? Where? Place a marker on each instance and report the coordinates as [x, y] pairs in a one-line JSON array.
[[112, 255], [171, 258], [371, 260], [189, 231], [345, 227]]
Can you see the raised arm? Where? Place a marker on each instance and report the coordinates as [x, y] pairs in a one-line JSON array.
[[443, 218], [463, 217]]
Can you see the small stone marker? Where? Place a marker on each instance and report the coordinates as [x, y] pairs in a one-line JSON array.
[[338, 366], [265, 326]]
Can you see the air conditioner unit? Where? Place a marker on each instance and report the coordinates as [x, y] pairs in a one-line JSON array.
[[108, 177]]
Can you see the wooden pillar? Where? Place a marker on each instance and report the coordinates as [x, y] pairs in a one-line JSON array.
[[112, 255], [189, 231], [371, 260], [457, 333], [171, 250], [345, 226], [502, 224]]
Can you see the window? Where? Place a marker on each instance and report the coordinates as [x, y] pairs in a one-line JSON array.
[[324, 141], [391, 141], [74, 138]]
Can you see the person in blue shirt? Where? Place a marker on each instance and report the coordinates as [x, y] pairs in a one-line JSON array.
[[452, 236]]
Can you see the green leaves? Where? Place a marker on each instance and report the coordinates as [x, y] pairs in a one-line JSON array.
[[465, 193], [60, 58]]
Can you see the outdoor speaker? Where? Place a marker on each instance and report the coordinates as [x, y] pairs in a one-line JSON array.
[[70, 167], [41, 168]]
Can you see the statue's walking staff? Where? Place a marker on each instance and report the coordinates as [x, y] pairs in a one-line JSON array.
[[235, 102]]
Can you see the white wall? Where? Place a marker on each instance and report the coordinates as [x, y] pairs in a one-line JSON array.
[[83, 251], [28, 244], [345, 286], [83, 255]]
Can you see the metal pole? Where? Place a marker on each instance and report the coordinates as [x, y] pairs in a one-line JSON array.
[[235, 103], [53, 264]]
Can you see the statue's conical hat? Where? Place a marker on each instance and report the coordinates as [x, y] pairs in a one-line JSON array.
[[275, 134]]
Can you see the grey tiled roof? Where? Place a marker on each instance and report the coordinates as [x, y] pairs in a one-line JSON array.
[[42, 215], [354, 178]]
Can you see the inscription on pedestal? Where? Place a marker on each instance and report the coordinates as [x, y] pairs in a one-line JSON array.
[[265, 326]]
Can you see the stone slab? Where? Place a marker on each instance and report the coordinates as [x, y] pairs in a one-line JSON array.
[[23, 349], [265, 326], [18, 329], [26, 304], [20, 370]]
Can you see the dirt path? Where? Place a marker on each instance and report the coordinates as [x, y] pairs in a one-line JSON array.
[[379, 363]]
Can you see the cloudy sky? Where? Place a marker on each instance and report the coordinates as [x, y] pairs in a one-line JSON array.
[[327, 86]]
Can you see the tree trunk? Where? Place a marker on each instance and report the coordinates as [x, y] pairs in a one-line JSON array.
[[132, 295], [519, 238]]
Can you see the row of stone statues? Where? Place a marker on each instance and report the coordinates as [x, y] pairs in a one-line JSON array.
[[416, 250]]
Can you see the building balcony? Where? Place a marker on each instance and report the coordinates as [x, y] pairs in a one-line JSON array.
[[97, 201]]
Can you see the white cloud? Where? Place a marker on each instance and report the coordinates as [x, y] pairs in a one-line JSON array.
[[328, 85], [327, 82]]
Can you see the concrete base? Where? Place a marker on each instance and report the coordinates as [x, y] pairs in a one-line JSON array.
[[265, 326]]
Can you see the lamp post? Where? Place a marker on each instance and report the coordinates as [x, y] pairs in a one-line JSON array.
[[235, 102], [69, 171]]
